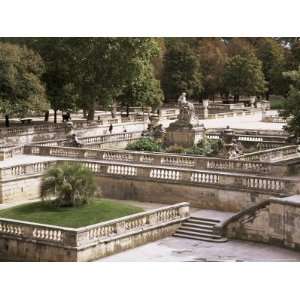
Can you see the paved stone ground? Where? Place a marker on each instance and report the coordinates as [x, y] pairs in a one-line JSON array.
[[173, 249]]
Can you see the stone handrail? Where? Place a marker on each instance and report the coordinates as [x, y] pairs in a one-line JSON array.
[[89, 140], [78, 124], [85, 236], [12, 172], [10, 152], [150, 158], [270, 154], [214, 179]]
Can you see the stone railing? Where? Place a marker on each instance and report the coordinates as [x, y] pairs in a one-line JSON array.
[[160, 159], [231, 114], [12, 172], [259, 132], [271, 154], [266, 222], [165, 174], [78, 124], [82, 238], [6, 153], [131, 224], [90, 140]]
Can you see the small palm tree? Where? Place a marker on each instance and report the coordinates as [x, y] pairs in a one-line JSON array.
[[70, 184]]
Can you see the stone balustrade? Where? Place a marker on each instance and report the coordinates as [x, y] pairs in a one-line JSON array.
[[160, 159], [163, 174], [8, 173], [78, 124], [127, 225], [271, 154], [6, 153], [92, 140], [34, 231], [54, 243]]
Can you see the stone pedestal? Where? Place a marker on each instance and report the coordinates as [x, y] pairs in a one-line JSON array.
[[205, 108], [183, 136]]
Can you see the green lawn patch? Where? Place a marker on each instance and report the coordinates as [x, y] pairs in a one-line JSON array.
[[91, 213]]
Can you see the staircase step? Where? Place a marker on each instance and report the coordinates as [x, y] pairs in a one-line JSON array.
[[197, 229], [196, 225], [205, 239], [198, 234], [200, 222], [205, 219]]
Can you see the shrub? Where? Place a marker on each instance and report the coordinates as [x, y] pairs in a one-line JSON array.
[[70, 184], [195, 150], [175, 149], [144, 144]]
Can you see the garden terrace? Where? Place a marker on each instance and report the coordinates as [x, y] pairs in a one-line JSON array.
[[47, 213], [39, 242]]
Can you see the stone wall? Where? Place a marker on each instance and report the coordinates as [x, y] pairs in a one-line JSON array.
[[275, 221], [167, 193]]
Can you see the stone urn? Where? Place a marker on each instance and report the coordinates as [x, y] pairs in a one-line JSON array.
[[228, 135], [252, 101]]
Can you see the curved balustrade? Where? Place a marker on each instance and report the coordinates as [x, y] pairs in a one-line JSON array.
[[270, 154]]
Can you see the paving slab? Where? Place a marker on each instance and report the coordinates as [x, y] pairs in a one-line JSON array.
[[172, 249]]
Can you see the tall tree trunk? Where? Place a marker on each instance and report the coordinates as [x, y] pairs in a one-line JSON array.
[[91, 114], [55, 116], [91, 111]]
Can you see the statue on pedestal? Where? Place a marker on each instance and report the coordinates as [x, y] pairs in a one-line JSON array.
[[186, 131]]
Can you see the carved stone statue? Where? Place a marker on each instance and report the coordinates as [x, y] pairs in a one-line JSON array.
[[187, 110], [186, 131]]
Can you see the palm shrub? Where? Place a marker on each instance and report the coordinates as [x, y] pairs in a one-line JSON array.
[[70, 185]]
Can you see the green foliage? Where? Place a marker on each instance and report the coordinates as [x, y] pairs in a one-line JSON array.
[[21, 89], [291, 107], [212, 55], [244, 76], [94, 212], [70, 184], [277, 103], [271, 53], [144, 144], [182, 71], [175, 149]]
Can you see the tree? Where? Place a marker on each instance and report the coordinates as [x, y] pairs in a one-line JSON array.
[[104, 67], [271, 53], [244, 76], [240, 46], [182, 71], [21, 89], [143, 91], [212, 55], [291, 106], [71, 185]]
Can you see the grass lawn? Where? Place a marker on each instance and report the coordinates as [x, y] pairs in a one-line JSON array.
[[94, 212]]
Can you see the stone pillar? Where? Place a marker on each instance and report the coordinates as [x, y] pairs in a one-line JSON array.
[[263, 108], [205, 108]]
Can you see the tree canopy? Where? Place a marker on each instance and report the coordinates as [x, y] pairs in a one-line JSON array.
[[21, 89], [182, 71], [243, 75]]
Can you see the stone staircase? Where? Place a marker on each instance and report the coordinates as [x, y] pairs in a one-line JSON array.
[[201, 229]]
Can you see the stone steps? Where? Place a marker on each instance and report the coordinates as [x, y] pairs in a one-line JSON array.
[[199, 229]]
